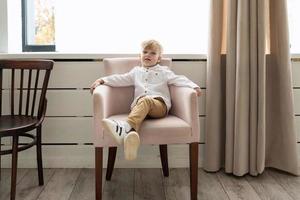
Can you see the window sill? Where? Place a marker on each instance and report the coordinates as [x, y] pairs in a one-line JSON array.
[[89, 56], [99, 57]]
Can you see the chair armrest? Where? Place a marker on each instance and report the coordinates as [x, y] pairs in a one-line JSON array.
[[185, 106], [108, 101]]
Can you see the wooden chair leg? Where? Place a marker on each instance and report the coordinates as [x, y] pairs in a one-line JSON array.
[[0, 157], [39, 155], [112, 151], [194, 170], [14, 167], [98, 172], [163, 149]]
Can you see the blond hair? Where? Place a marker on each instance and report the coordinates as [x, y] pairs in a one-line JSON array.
[[152, 44]]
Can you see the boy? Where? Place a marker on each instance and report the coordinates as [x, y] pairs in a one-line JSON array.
[[151, 96]]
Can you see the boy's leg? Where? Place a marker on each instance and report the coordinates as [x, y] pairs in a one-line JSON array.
[[135, 118], [159, 109], [146, 105], [153, 107]]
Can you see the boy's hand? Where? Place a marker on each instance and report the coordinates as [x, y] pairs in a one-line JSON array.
[[198, 91], [95, 84]]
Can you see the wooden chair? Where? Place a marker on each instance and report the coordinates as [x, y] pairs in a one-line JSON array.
[[181, 126], [27, 108]]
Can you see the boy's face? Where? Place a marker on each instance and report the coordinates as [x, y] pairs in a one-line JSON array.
[[150, 57]]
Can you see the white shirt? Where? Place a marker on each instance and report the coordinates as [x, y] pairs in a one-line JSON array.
[[152, 82]]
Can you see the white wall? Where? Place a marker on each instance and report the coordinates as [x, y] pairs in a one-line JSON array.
[[3, 26], [67, 129], [10, 26], [14, 26]]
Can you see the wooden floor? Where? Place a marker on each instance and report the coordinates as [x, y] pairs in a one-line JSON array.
[[142, 184]]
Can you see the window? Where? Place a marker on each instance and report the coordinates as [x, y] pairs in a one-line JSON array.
[[294, 25], [38, 25], [118, 26]]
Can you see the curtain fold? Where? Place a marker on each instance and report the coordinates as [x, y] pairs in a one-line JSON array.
[[249, 106]]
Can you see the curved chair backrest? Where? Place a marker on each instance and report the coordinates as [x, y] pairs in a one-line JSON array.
[[123, 65], [23, 83]]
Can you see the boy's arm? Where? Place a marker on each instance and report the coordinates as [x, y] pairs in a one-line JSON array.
[[116, 80], [119, 80], [180, 80]]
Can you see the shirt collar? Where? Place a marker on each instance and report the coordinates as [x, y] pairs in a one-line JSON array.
[[154, 67]]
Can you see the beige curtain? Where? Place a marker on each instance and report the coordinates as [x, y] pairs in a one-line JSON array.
[[249, 102]]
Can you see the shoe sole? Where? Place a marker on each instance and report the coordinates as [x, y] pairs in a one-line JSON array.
[[107, 127], [131, 145]]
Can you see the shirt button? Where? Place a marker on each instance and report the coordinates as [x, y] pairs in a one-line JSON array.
[[146, 79], [145, 91]]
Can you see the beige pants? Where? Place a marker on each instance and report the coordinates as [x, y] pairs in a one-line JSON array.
[[146, 106]]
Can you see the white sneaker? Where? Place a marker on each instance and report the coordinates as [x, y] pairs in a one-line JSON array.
[[118, 129], [131, 145]]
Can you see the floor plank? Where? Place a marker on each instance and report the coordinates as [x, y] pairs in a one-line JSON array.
[[84, 185], [121, 185], [84, 188], [28, 188], [237, 187], [289, 182], [60, 185], [177, 185], [148, 184], [5, 182], [209, 187], [144, 184], [267, 187]]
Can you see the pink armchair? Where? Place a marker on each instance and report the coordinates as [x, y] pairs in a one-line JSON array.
[[181, 126]]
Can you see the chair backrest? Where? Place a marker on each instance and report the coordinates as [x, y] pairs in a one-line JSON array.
[[123, 65], [24, 80]]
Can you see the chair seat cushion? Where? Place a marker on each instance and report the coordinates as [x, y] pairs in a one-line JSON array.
[[167, 130], [9, 124]]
